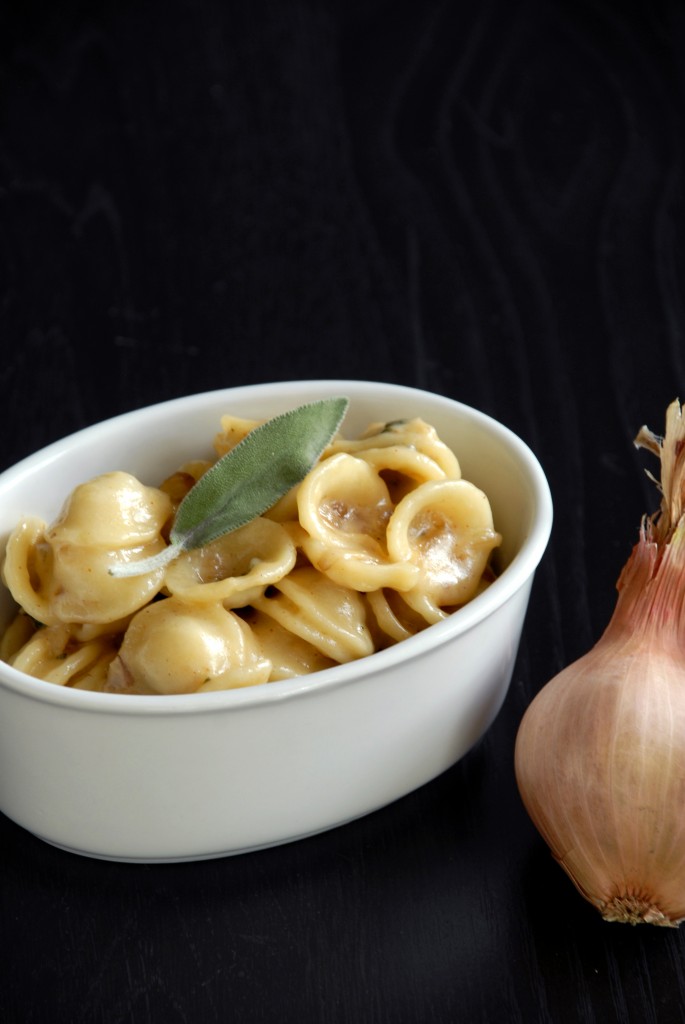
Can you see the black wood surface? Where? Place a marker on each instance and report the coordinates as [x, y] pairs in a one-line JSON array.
[[485, 200]]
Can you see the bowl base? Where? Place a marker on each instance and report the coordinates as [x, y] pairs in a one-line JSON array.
[[190, 857]]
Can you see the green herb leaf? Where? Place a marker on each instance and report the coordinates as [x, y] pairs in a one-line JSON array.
[[248, 480]]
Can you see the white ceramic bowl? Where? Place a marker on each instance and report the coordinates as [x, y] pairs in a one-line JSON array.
[[204, 775]]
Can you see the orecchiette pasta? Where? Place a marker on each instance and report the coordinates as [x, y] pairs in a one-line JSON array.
[[381, 539], [174, 647], [288, 653], [327, 615], [60, 573], [414, 434], [233, 430], [445, 528], [344, 506], [236, 568], [52, 654]]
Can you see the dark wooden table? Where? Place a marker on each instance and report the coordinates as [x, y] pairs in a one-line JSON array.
[[484, 200]]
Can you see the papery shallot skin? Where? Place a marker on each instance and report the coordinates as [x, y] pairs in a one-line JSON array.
[[600, 752]]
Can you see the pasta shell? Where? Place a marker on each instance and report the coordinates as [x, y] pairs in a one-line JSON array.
[[288, 653], [173, 647], [234, 569], [344, 506], [61, 572], [179, 483], [414, 433], [329, 617], [112, 511], [19, 632], [53, 654], [233, 430], [401, 468], [82, 588], [393, 618], [26, 569], [446, 529]]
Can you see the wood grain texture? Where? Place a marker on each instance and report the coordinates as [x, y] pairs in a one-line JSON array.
[[483, 200]]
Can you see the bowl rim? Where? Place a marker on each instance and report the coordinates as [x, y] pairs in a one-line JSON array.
[[517, 573]]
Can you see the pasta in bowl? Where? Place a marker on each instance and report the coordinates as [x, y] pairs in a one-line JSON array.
[[380, 539], [337, 651]]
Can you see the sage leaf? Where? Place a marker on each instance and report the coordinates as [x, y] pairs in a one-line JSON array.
[[248, 480]]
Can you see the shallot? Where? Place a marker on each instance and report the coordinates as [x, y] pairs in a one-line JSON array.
[[600, 752]]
